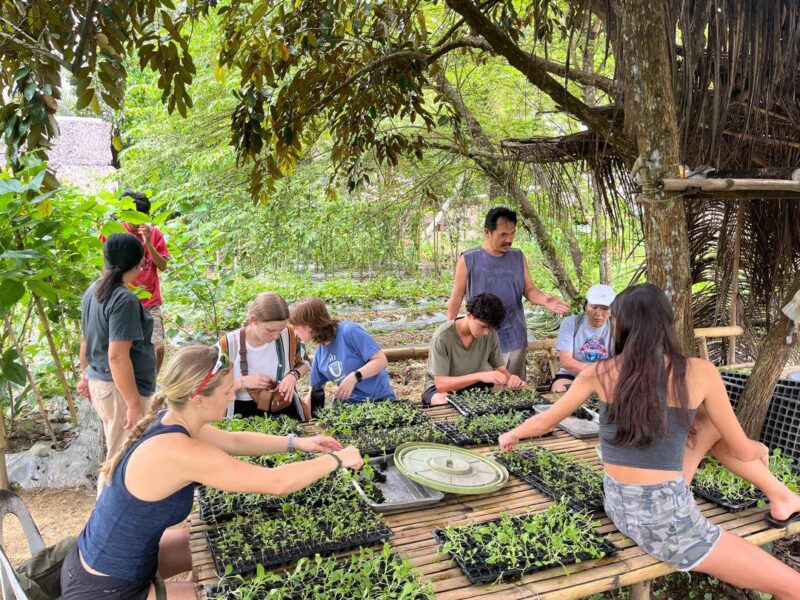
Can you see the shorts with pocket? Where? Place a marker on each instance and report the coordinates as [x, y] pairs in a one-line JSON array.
[[157, 338], [663, 519]]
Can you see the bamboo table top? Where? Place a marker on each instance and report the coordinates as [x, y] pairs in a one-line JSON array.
[[413, 538]]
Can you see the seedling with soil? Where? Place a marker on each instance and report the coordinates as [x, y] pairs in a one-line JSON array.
[[481, 402], [557, 475], [277, 425], [509, 547], [341, 419], [366, 574], [384, 441], [481, 429]]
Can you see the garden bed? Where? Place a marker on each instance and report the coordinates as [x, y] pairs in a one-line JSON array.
[[481, 430], [293, 531], [342, 419], [513, 545], [557, 475], [481, 402], [366, 574]]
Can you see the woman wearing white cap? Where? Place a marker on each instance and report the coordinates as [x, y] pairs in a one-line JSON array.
[[584, 339]]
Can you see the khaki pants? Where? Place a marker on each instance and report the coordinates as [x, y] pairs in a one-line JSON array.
[[112, 409], [516, 362]]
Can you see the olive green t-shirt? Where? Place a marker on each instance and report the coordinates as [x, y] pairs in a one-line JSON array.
[[448, 357]]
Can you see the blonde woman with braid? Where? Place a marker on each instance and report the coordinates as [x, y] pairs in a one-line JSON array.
[[151, 481]]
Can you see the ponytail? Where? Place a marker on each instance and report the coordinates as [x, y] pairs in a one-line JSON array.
[[121, 253]]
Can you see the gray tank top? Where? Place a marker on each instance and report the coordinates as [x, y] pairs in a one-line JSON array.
[[503, 276], [665, 454]]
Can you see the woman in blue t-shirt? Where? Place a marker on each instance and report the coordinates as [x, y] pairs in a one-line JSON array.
[[347, 355]]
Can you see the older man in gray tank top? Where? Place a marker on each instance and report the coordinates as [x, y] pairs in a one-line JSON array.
[[496, 267]]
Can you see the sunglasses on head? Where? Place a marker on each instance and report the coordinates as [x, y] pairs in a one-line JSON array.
[[223, 362]]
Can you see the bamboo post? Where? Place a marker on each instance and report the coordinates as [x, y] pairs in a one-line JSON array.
[[73, 413], [31, 382], [735, 280], [3, 445], [728, 185], [640, 591], [703, 347]]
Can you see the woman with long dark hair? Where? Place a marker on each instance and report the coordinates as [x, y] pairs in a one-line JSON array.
[[661, 412], [117, 356]]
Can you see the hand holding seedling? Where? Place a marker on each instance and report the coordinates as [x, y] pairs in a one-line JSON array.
[[515, 382], [351, 458], [346, 387], [493, 377], [508, 441], [318, 443]]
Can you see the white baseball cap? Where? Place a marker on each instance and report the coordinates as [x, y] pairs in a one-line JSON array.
[[601, 294]]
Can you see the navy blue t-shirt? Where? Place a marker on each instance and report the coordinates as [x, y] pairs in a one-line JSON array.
[[348, 351]]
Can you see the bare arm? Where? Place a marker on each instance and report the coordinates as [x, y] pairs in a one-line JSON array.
[[82, 354], [537, 296], [244, 443], [119, 360], [446, 383], [585, 384], [459, 289], [159, 261], [568, 361]]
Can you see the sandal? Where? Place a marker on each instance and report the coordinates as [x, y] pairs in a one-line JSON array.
[[778, 523]]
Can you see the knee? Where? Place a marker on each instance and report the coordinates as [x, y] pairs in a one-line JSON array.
[[438, 399]]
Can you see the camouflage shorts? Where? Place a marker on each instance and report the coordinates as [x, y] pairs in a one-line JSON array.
[[663, 519]]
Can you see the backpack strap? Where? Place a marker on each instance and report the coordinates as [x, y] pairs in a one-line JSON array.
[[223, 343], [292, 346], [243, 352]]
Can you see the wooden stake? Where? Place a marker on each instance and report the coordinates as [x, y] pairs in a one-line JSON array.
[[31, 382], [728, 185], [640, 591], [737, 248], [73, 413]]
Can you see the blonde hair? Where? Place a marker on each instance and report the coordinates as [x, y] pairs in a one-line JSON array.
[[182, 376], [268, 306]]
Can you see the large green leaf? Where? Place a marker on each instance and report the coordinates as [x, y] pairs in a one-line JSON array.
[[11, 291], [22, 254], [12, 370]]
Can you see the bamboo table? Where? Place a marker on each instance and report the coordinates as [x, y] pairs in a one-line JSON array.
[[413, 539]]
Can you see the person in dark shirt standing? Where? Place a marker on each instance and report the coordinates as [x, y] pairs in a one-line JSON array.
[[117, 354], [497, 268]]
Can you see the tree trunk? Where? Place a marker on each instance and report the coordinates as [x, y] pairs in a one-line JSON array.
[[29, 375], [651, 114], [73, 413], [3, 447], [772, 358]]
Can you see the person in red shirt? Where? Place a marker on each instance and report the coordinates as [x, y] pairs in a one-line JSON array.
[[155, 260]]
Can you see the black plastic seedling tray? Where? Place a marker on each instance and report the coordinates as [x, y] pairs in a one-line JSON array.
[[480, 572], [371, 446], [211, 512], [540, 485], [726, 504], [462, 438], [417, 416], [476, 408], [293, 553]]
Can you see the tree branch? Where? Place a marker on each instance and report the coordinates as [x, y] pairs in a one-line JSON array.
[[538, 75]]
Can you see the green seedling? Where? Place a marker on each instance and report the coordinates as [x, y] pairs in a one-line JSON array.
[[341, 419], [278, 425]]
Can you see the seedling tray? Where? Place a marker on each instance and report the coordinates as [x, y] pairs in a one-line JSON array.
[[583, 423], [479, 571], [213, 511], [292, 553], [503, 402], [393, 413], [464, 438], [726, 504], [399, 492], [533, 480], [383, 442]]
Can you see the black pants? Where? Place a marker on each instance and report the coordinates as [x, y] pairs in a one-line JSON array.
[[78, 584]]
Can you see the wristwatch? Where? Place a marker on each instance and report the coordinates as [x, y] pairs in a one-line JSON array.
[[290, 443], [359, 376]]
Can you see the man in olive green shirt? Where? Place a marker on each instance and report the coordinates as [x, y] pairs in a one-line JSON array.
[[465, 353]]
